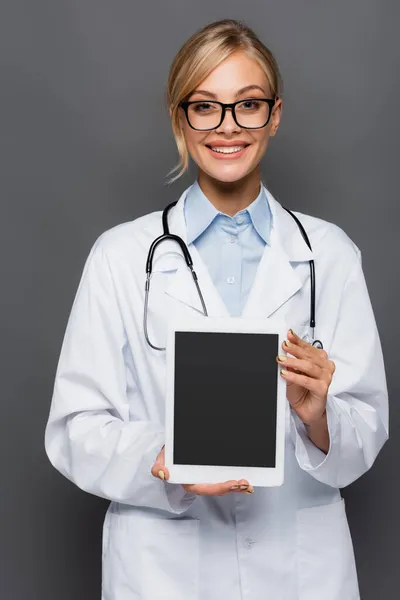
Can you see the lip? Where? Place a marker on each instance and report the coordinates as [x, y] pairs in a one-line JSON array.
[[228, 143], [221, 156]]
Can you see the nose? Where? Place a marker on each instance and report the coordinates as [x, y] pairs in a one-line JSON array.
[[228, 124]]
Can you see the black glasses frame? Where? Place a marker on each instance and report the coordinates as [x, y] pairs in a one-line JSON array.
[[224, 106]]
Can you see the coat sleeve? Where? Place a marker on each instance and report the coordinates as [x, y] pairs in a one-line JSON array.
[[357, 406], [89, 436]]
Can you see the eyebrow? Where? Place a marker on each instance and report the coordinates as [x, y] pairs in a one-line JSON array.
[[247, 88]]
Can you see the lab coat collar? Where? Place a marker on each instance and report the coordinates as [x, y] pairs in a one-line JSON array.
[[275, 282]]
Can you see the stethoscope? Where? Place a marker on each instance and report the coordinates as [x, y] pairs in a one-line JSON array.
[[188, 259]]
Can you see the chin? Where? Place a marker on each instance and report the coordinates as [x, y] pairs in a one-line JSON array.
[[228, 174]]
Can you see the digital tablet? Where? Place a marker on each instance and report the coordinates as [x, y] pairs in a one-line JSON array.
[[225, 401]]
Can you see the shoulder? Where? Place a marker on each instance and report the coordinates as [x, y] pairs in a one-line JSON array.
[[329, 240], [124, 246], [129, 238]]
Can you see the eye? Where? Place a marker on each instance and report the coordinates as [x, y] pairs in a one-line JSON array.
[[202, 107], [250, 104]]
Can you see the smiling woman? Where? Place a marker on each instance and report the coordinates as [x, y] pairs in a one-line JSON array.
[[229, 88], [246, 114], [224, 541]]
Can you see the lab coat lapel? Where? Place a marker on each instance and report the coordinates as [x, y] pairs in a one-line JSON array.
[[182, 286], [276, 279]]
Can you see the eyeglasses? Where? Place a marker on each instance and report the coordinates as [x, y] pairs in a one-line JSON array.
[[252, 113]]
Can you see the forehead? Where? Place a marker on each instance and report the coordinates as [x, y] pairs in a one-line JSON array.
[[237, 71]]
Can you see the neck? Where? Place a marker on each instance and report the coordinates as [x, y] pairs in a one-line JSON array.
[[230, 197]]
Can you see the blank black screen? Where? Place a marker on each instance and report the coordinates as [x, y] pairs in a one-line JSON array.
[[225, 399]]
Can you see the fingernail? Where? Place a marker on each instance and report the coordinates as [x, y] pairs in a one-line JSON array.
[[288, 344], [283, 372], [282, 358], [244, 487], [250, 492], [161, 475], [235, 487], [291, 331]]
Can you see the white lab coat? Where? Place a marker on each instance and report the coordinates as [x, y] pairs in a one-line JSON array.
[[106, 423]]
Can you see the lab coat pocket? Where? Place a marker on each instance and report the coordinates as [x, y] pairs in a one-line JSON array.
[[325, 558], [170, 559]]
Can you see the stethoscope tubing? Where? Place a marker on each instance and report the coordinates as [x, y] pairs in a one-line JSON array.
[[167, 235]]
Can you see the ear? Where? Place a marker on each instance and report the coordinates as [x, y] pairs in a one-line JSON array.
[[275, 117], [273, 130]]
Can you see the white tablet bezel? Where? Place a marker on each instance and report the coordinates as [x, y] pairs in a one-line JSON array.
[[257, 476]]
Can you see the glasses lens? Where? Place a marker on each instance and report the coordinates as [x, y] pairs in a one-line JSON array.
[[204, 115], [252, 113]]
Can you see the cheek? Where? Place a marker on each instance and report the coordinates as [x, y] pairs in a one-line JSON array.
[[192, 145], [193, 139], [262, 141]]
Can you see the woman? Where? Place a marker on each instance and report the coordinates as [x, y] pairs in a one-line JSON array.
[[105, 431]]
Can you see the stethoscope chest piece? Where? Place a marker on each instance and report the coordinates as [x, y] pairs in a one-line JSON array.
[[316, 343]]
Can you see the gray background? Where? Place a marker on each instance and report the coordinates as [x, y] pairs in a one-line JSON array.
[[86, 143]]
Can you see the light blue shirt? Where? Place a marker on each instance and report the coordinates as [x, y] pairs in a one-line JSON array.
[[230, 247]]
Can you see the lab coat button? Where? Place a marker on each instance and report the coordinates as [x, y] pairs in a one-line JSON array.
[[231, 280], [232, 239], [248, 542]]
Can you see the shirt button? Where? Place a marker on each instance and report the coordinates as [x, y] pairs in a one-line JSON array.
[[248, 542], [232, 239], [231, 280], [239, 220]]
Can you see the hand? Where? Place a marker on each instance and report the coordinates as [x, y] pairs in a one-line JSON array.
[[241, 486], [308, 374]]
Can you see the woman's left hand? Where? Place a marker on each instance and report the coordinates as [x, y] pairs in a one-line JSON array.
[[308, 373]]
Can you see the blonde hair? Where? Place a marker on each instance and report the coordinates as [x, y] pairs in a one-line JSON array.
[[199, 55]]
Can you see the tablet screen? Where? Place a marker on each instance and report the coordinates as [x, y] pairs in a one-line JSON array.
[[225, 399]]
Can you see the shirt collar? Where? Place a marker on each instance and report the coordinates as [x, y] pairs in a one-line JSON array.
[[200, 213], [261, 215]]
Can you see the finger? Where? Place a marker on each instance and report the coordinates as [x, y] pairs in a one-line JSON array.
[[309, 352], [305, 367], [249, 490], [245, 486], [293, 338], [159, 469], [294, 349], [241, 486], [212, 489], [323, 370], [243, 483], [316, 386], [216, 489], [156, 468], [298, 341]]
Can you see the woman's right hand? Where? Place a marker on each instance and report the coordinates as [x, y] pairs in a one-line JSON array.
[[241, 486]]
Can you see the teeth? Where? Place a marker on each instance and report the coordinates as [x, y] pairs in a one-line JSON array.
[[227, 149]]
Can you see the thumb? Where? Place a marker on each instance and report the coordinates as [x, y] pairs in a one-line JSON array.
[[159, 469]]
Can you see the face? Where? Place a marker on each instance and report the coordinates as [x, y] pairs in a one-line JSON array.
[[237, 78]]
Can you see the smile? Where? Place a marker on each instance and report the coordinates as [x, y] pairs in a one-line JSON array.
[[227, 151]]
